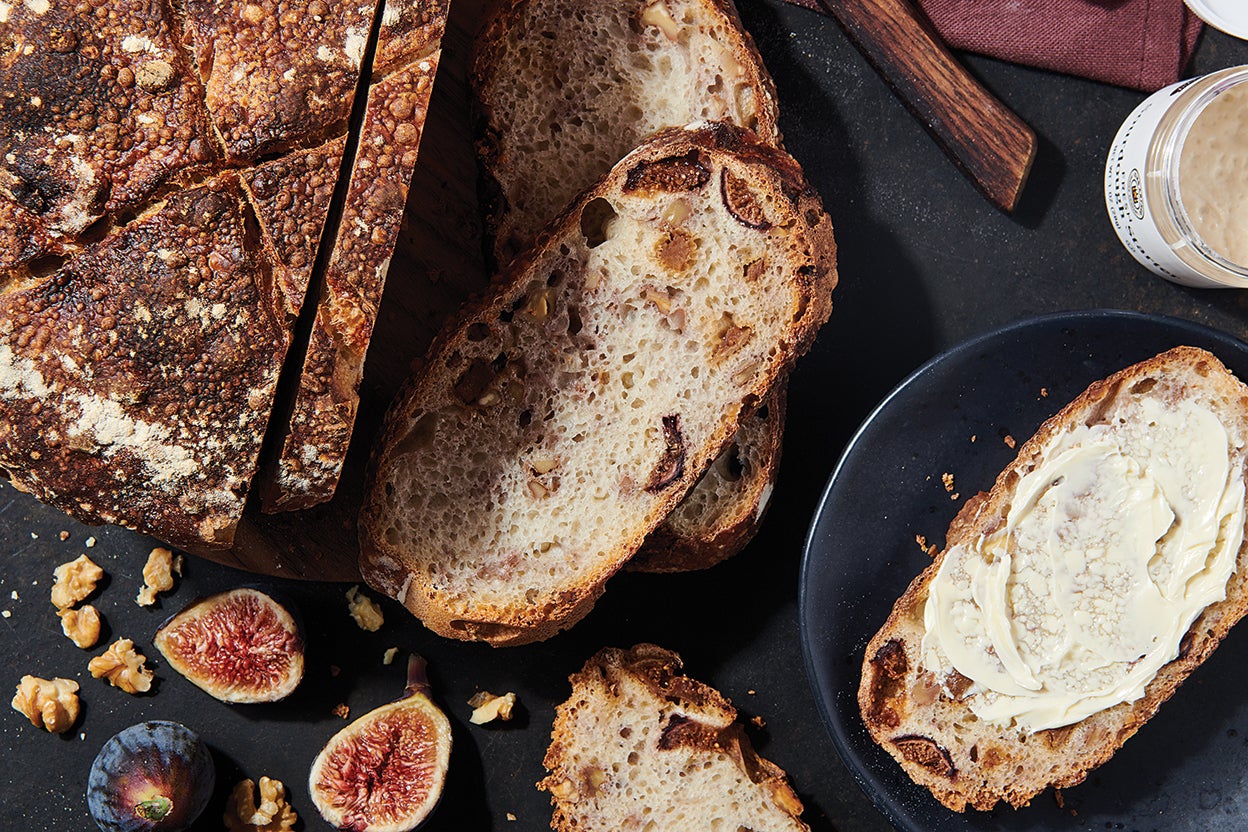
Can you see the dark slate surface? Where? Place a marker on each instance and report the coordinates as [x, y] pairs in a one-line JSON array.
[[925, 263]]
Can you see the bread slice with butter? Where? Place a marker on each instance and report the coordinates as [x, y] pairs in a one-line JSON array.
[[1071, 600]]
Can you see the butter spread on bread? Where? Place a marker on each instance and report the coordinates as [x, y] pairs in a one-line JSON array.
[[563, 416], [1105, 564]]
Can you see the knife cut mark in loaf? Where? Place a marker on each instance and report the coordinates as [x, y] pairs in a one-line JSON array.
[[95, 118], [566, 414], [314, 442], [639, 745], [1104, 565], [554, 77]]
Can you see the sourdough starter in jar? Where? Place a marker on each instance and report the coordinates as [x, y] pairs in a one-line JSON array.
[[1213, 175]]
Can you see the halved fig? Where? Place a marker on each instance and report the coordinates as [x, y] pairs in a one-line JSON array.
[[385, 771], [239, 646]]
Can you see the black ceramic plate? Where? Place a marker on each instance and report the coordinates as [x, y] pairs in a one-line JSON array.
[[1186, 769]]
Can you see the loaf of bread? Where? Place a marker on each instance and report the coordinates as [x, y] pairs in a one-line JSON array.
[[638, 745], [636, 67], [1071, 600], [562, 418]]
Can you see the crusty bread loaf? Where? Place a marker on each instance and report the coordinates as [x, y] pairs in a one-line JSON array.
[[565, 88], [567, 413], [922, 707], [541, 103], [640, 746], [722, 512]]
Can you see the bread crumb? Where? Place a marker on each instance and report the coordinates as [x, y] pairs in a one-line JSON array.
[[90, 542], [34, 535], [486, 707], [954, 496], [388, 656], [1044, 392], [929, 549], [974, 437], [510, 816], [64, 535], [364, 610], [947, 480], [751, 691], [6, 614], [334, 670], [342, 710], [759, 722], [13, 595], [1009, 441]]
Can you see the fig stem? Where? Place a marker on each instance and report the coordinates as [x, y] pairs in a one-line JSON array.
[[417, 676], [155, 808]]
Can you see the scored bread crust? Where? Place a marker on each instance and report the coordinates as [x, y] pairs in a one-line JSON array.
[[470, 584], [633, 716], [922, 721], [724, 509], [521, 55]]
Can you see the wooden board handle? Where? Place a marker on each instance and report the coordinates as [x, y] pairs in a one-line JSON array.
[[983, 137]]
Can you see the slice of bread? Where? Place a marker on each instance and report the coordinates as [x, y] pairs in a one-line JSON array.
[[562, 417], [720, 515], [638, 745], [973, 741], [564, 88], [636, 67]]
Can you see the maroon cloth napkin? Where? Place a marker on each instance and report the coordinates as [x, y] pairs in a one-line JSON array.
[[1142, 44]]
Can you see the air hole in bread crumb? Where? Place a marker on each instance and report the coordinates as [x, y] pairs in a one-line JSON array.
[[596, 218]]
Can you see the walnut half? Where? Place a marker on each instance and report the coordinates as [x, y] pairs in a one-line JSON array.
[[158, 574], [123, 667], [364, 610], [486, 707], [49, 704], [81, 625], [273, 814]]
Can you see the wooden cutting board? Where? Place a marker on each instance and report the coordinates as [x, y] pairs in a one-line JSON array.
[[436, 266]]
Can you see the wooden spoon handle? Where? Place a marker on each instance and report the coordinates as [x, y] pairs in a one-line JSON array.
[[983, 137]]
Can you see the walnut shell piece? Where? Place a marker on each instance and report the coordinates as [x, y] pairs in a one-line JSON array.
[[48, 704], [123, 667]]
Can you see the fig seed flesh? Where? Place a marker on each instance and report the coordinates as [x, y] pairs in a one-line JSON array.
[[239, 646]]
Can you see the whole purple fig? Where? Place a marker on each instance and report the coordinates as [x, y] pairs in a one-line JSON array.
[[151, 776]]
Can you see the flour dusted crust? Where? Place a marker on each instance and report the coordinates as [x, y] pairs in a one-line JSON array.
[[553, 77], [921, 720], [126, 399], [638, 742], [567, 413], [315, 440]]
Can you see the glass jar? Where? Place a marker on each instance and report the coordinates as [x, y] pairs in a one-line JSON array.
[[1184, 240]]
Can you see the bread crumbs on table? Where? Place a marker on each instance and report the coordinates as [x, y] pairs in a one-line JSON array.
[[947, 480], [510, 816], [955, 495], [974, 437], [1009, 441], [6, 614], [342, 710], [1044, 392], [758, 722], [89, 542], [929, 549], [64, 535]]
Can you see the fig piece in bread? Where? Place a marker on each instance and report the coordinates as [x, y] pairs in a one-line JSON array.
[[1104, 565], [565, 415]]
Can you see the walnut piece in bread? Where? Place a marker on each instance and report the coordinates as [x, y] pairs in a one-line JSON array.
[[638, 736], [1105, 564]]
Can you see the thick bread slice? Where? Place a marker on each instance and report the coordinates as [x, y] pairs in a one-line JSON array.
[[565, 88], [315, 439], [925, 720], [640, 746], [562, 418], [127, 398], [636, 67], [723, 510], [96, 113]]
